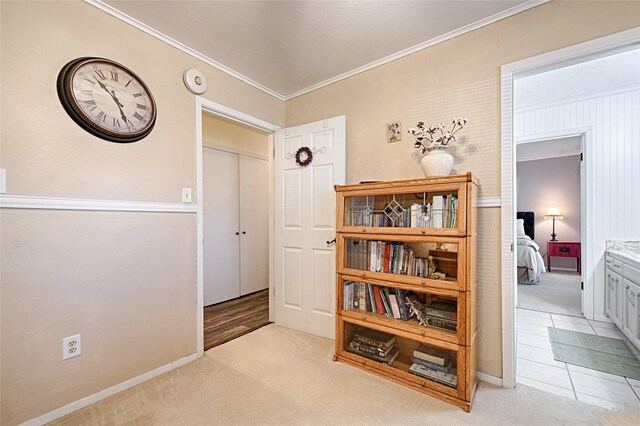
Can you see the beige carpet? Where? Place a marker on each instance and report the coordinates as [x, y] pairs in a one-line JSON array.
[[276, 376], [557, 292]]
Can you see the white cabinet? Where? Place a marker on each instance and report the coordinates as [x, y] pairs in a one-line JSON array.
[[613, 297], [236, 233], [630, 309], [622, 297]]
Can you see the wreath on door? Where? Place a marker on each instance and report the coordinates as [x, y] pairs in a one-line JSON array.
[[304, 156]]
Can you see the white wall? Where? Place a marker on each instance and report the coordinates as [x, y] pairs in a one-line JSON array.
[[611, 161], [552, 182]]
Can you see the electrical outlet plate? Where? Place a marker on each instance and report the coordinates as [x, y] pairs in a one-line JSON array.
[[71, 346], [186, 195]]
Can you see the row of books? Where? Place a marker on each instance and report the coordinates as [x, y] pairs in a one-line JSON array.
[[375, 345], [386, 256], [440, 213], [376, 299], [434, 364], [400, 304]]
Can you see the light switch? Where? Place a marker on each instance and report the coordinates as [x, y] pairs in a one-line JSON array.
[[186, 195], [3, 181]]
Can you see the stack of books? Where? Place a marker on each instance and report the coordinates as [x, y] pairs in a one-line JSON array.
[[442, 315], [434, 364], [374, 345]]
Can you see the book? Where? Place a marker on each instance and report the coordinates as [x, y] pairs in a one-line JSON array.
[[372, 301], [385, 301], [400, 297], [449, 379], [436, 211], [378, 297], [362, 295], [442, 323], [443, 368], [363, 347], [355, 297], [385, 360], [395, 309], [442, 310], [432, 354], [375, 338]]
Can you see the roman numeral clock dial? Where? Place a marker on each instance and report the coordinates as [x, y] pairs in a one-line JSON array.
[[106, 99]]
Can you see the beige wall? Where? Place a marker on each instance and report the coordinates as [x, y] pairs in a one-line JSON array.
[[217, 132], [456, 77], [125, 280]]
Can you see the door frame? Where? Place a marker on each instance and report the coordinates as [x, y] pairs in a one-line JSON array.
[[544, 62], [204, 105], [585, 135]]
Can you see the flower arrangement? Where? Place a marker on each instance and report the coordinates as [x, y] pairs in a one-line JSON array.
[[435, 137]]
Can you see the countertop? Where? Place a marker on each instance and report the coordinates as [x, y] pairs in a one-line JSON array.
[[626, 254]]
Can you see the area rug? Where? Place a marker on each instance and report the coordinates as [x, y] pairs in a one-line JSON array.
[[596, 352]]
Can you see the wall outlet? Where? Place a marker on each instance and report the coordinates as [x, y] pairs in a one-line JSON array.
[[71, 346], [186, 195]]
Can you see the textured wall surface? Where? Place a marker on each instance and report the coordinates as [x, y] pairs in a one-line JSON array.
[[457, 77]]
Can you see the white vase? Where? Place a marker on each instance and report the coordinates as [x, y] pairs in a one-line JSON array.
[[437, 163]]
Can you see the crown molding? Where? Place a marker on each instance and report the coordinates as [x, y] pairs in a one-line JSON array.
[[462, 30], [186, 49]]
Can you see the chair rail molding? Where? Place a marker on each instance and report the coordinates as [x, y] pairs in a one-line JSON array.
[[55, 203]]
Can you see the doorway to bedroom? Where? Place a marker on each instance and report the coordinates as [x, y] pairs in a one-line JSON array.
[[549, 218]]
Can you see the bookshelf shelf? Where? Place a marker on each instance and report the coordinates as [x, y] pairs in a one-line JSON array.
[[406, 287]]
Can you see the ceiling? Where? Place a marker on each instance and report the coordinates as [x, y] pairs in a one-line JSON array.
[[289, 47], [551, 148], [617, 71]]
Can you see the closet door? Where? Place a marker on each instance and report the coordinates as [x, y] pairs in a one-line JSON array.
[[254, 224], [221, 226]]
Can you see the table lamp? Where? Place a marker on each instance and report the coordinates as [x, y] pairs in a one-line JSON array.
[[553, 214]]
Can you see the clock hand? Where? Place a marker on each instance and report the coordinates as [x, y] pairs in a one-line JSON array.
[[115, 99]]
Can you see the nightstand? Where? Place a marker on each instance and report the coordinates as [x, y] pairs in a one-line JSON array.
[[563, 249]]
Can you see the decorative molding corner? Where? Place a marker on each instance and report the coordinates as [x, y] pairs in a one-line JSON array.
[[186, 49], [493, 380], [81, 403], [54, 203]]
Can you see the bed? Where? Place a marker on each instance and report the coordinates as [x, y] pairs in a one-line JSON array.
[[530, 262]]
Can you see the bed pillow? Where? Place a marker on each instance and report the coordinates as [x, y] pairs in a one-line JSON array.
[[520, 228]]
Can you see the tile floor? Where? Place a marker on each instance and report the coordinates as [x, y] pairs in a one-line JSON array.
[[538, 369]]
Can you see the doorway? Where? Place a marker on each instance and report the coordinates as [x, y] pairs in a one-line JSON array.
[[549, 208], [603, 165], [239, 122]]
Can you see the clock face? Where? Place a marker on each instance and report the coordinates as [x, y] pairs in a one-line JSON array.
[[107, 99]]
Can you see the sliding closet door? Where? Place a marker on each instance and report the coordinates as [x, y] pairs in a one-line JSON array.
[[221, 226], [254, 224]]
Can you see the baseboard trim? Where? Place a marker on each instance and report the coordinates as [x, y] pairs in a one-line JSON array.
[[564, 269], [81, 403], [493, 380], [55, 203], [602, 318]]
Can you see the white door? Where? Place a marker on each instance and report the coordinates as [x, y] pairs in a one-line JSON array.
[[254, 224], [221, 226], [305, 214]]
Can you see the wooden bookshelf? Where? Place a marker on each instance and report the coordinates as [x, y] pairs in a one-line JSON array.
[[387, 232]]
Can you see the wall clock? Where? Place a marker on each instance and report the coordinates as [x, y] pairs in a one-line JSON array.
[[106, 99]]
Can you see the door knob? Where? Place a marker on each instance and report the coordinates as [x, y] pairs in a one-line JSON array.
[[237, 233], [331, 242], [244, 232]]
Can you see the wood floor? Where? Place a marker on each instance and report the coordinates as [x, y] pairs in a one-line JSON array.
[[227, 320]]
